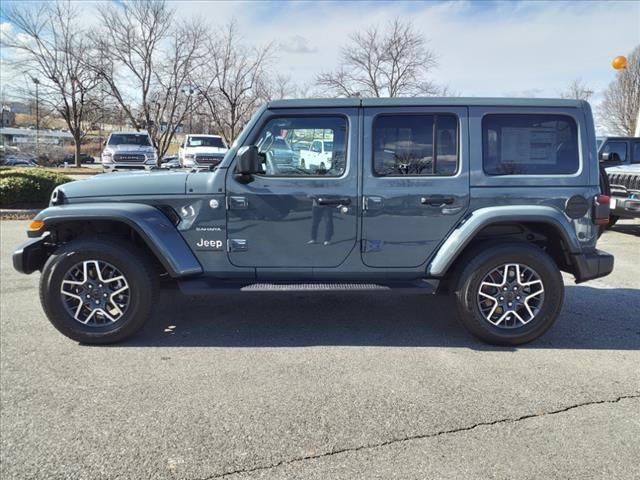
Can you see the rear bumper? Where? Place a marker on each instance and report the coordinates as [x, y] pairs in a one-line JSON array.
[[31, 255], [592, 265]]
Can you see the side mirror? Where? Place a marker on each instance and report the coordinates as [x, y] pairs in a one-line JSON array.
[[249, 161], [604, 156]]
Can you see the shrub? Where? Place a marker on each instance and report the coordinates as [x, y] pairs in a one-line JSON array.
[[28, 187]]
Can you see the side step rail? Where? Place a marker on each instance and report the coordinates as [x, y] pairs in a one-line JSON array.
[[210, 286]]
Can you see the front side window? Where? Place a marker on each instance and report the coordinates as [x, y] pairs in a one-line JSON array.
[[129, 139], [292, 147], [415, 145], [617, 151], [529, 144]]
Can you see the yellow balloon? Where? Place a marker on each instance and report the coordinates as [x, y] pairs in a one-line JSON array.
[[619, 62]]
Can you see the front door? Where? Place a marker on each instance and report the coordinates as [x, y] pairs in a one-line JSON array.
[[296, 215], [415, 182]]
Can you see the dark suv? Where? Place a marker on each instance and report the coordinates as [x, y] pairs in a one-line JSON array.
[[484, 199]]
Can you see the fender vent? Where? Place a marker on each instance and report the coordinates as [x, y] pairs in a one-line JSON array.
[[170, 213]]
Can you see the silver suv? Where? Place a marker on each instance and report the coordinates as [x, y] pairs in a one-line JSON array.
[[128, 151]]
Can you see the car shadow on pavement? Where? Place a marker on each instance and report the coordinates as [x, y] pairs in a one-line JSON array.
[[627, 228], [592, 318]]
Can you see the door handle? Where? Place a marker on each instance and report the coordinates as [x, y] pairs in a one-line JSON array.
[[334, 201], [437, 200]]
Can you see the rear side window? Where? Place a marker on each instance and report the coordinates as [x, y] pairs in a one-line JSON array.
[[529, 144], [415, 145]]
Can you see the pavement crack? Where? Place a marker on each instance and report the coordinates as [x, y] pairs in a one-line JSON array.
[[419, 437]]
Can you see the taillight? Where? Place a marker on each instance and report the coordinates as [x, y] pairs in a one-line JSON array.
[[601, 206]]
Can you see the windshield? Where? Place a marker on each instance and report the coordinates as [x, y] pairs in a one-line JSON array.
[[206, 142], [141, 139]]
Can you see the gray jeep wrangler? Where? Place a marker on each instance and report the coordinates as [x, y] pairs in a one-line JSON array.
[[485, 199]]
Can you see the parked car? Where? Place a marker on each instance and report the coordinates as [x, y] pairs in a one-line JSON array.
[[128, 151], [202, 150], [170, 162], [84, 158], [279, 156], [621, 158], [318, 156], [15, 161], [486, 200]]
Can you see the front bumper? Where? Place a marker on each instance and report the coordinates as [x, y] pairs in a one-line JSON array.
[[588, 266], [110, 167], [31, 255], [625, 207]]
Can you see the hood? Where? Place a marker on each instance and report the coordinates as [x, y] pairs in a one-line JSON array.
[[197, 150], [121, 184], [130, 148], [633, 168]]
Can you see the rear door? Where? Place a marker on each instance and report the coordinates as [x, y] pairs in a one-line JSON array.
[[415, 182]]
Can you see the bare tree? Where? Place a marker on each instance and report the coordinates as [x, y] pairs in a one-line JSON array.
[[145, 52], [391, 63], [577, 90], [50, 50], [621, 103], [279, 87], [233, 83]]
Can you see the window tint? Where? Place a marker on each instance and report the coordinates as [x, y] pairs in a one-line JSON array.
[[636, 153], [617, 151], [206, 142], [292, 147], [520, 144], [415, 145]]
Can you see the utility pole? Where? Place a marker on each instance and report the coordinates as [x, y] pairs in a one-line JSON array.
[[37, 82]]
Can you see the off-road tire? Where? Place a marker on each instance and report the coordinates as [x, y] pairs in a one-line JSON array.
[[473, 268], [137, 267]]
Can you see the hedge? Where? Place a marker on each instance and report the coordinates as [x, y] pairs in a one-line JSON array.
[[28, 187]]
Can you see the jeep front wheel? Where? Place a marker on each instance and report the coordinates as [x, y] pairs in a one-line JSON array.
[[98, 291], [509, 294]]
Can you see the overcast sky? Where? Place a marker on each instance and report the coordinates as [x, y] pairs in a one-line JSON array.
[[484, 48]]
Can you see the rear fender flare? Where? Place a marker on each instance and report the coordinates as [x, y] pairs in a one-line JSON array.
[[458, 240]]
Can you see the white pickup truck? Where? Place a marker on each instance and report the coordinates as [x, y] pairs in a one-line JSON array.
[[318, 156], [202, 150]]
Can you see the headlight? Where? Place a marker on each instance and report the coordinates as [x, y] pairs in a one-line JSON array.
[[107, 154], [190, 156]]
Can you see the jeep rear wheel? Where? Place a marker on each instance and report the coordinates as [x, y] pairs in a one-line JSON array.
[[98, 290], [509, 294]]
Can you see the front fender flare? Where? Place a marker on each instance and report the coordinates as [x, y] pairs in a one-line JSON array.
[[455, 244], [155, 229]]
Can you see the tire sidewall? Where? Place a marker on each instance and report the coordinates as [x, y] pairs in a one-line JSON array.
[[140, 285], [492, 258]]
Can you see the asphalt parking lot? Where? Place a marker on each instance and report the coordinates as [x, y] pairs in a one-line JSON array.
[[324, 387]]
